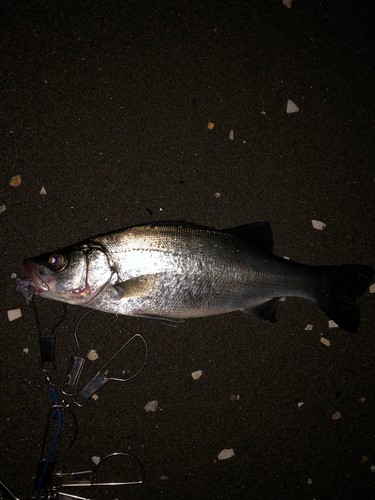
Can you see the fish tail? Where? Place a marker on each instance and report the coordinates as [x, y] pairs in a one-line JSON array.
[[341, 287]]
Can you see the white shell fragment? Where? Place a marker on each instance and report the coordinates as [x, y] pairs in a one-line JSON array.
[[325, 341], [43, 190], [291, 107], [309, 481], [300, 404], [151, 406], [309, 327], [2, 208], [196, 375], [231, 135], [372, 468], [225, 454], [92, 355], [332, 324], [14, 314], [372, 288], [317, 224], [96, 460], [26, 350], [287, 3]]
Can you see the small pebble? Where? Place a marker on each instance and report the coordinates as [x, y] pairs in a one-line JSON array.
[[15, 181], [317, 224], [225, 454], [14, 314], [151, 406], [92, 355], [325, 341], [291, 107]]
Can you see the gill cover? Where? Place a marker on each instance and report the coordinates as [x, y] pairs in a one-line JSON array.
[[74, 274]]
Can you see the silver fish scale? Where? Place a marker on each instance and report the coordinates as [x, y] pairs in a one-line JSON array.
[[173, 271], [186, 272]]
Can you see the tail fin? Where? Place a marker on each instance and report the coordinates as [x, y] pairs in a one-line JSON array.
[[341, 287]]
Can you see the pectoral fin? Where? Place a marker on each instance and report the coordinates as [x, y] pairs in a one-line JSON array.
[[136, 287]]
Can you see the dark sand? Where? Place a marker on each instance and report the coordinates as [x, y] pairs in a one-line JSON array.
[[106, 105]]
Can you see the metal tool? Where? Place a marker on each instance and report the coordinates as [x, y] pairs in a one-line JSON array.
[[87, 477], [100, 379], [45, 484], [77, 362], [47, 342]]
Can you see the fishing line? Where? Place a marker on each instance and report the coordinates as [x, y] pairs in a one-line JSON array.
[[53, 397], [45, 474]]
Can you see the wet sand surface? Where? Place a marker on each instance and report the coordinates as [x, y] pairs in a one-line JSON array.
[[106, 105]]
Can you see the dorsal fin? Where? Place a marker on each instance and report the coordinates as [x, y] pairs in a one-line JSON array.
[[176, 223], [258, 234]]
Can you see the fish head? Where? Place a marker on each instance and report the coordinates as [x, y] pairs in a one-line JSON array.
[[75, 275]]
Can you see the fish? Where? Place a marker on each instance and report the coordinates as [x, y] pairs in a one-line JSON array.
[[172, 271]]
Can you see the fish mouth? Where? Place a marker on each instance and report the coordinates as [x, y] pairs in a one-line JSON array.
[[32, 273]]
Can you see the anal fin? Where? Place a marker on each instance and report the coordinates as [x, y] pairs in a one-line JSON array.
[[265, 311]]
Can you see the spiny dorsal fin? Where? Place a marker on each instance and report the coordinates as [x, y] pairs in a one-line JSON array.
[[258, 234]]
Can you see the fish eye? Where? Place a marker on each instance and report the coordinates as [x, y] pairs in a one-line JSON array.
[[57, 262]]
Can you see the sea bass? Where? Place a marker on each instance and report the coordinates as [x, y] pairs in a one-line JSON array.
[[172, 271]]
